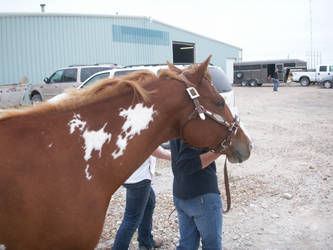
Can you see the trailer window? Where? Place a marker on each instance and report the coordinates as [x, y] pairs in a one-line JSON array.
[[249, 67], [289, 64]]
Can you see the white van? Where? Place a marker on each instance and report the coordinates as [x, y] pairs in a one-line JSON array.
[[220, 80]]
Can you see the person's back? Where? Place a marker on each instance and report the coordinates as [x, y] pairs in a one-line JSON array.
[[190, 179], [196, 197]]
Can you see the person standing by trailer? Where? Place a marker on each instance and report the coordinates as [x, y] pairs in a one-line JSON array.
[[275, 79]]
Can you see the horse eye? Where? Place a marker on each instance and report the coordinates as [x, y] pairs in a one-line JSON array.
[[220, 104]]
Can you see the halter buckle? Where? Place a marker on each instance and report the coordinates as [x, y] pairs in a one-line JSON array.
[[193, 93]]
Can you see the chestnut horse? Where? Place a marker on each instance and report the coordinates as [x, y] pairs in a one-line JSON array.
[[61, 162]]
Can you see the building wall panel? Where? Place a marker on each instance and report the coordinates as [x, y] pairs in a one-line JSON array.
[[34, 45]]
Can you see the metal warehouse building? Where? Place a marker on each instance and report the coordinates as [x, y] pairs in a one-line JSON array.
[[35, 45]]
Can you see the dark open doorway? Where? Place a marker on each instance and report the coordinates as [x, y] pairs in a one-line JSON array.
[[183, 52], [270, 69]]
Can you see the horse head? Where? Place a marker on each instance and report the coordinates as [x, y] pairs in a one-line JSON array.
[[211, 124]]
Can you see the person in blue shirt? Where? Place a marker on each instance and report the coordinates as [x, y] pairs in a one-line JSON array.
[[196, 197]]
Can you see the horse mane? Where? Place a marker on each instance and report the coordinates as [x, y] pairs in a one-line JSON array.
[[101, 90]]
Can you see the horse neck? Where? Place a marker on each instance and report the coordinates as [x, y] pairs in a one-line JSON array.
[[170, 105]]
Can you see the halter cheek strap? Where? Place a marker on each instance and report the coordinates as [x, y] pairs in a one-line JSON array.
[[200, 111], [194, 95]]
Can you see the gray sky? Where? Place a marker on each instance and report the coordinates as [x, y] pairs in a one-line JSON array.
[[264, 29]]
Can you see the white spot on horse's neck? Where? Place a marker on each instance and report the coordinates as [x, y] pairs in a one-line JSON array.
[[76, 123], [88, 175], [137, 119], [93, 139]]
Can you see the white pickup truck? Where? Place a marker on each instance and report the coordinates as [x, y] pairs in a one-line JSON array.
[[305, 78]]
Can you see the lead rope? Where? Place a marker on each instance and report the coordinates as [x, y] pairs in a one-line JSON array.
[[227, 187]]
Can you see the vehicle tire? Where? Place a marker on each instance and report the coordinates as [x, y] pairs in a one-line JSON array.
[[243, 83], [35, 99], [253, 82], [327, 84], [304, 81], [239, 75], [259, 84]]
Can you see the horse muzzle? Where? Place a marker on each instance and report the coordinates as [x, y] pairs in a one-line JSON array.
[[239, 153]]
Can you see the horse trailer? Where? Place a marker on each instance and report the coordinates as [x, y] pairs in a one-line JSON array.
[[255, 73]]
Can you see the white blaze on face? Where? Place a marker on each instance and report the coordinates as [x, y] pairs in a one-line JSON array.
[[137, 119], [93, 139]]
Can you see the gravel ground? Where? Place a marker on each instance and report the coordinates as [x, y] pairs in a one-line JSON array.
[[282, 196]]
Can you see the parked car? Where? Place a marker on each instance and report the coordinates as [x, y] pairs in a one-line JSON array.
[[220, 81], [327, 82], [64, 78]]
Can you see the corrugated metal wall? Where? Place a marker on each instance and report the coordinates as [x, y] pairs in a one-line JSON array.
[[35, 45]]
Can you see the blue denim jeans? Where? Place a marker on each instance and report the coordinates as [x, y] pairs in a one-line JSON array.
[[140, 204], [200, 217], [276, 84]]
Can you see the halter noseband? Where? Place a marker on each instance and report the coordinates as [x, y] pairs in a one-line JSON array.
[[200, 111]]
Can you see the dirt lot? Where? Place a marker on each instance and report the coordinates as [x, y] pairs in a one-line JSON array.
[[282, 197]]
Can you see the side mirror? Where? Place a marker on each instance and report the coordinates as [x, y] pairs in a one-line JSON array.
[[46, 80]]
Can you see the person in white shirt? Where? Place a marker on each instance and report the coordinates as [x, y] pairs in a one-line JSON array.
[[140, 204]]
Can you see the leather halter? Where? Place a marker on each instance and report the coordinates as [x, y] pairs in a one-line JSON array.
[[232, 128], [201, 111]]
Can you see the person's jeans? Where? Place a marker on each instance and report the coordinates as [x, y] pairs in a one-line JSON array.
[[200, 217], [140, 204], [276, 84]]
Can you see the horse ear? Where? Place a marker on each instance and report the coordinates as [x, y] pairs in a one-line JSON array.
[[173, 67], [202, 69]]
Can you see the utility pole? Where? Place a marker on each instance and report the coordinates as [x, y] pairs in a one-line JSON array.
[[311, 49]]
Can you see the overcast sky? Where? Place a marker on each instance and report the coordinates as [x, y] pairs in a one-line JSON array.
[[264, 29]]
